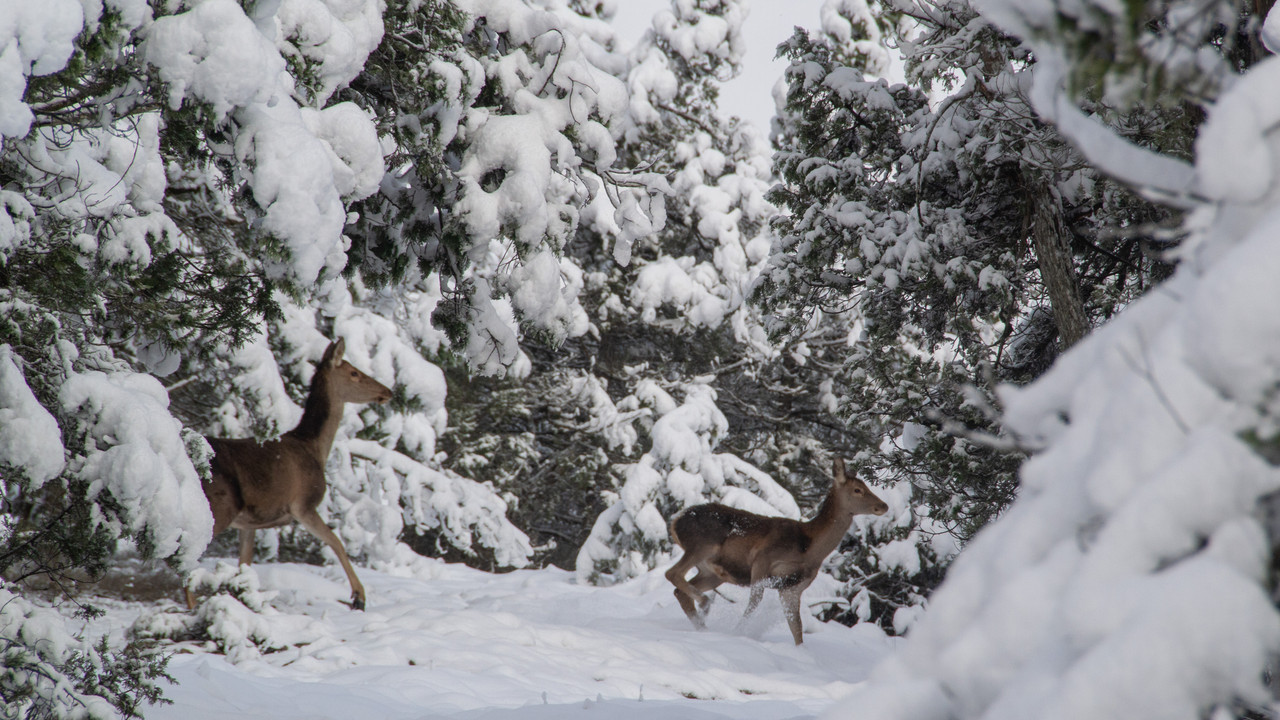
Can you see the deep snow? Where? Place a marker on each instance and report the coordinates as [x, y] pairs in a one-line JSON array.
[[461, 643]]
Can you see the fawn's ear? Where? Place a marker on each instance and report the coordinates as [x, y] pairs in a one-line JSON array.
[[837, 471], [333, 354]]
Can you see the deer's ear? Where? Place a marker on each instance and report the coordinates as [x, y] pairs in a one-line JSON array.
[[837, 470], [333, 354]]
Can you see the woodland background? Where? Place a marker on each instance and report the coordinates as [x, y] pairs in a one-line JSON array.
[[600, 301]]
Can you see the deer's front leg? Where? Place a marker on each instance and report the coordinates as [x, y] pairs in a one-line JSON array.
[[312, 522]]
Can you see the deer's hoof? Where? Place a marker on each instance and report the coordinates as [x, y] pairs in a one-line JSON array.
[[357, 602], [704, 605]]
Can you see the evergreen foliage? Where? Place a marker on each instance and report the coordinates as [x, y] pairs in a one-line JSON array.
[[932, 234], [374, 180], [593, 308], [1172, 394]]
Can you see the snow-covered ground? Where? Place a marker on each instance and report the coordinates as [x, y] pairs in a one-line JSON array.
[[460, 643]]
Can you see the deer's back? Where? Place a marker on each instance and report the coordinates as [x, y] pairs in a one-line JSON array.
[[738, 537], [269, 479]]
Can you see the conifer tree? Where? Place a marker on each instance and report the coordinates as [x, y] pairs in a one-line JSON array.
[[959, 244], [1108, 516]]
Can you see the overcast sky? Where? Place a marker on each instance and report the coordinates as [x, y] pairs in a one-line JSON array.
[[768, 23]]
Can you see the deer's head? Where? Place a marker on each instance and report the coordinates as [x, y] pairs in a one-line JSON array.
[[346, 383], [855, 493]]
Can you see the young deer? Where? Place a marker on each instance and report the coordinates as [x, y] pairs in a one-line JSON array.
[[264, 485], [730, 545]]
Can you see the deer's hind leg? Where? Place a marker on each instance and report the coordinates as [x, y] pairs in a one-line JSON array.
[[689, 596], [312, 522], [759, 580], [704, 582], [791, 610], [753, 602], [225, 504], [246, 546]]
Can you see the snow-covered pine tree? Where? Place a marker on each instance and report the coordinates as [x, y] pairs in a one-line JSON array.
[[777, 404], [218, 259], [673, 322], [176, 184], [101, 277], [681, 469], [1134, 575], [561, 439], [957, 244]]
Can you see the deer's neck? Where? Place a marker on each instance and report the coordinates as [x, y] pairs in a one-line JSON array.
[[828, 527], [320, 419]]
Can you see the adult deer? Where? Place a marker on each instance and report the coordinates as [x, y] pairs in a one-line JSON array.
[[264, 485], [735, 546]]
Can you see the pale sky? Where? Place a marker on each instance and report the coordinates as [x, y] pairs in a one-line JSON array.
[[768, 23]]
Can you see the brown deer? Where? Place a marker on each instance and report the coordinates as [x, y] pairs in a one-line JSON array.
[[735, 546], [264, 485]]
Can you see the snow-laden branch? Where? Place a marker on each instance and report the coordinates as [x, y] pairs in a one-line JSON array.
[[1158, 176], [465, 512]]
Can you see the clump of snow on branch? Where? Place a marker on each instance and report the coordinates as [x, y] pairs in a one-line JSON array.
[[851, 23], [15, 221], [214, 53], [30, 440], [138, 454], [681, 469], [1129, 580], [34, 40], [395, 492], [724, 192], [335, 35], [541, 288], [614, 424], [37, 649], [304, 161], [115, 173], [697, 35]]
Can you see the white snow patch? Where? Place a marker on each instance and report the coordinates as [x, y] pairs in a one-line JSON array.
[[448, 641]]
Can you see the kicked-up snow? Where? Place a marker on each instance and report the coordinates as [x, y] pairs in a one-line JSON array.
[[455, 642]]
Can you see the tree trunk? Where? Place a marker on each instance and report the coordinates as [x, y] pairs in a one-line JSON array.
[[1052, 246]]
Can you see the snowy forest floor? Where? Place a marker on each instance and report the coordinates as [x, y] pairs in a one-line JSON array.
[[456, 642]]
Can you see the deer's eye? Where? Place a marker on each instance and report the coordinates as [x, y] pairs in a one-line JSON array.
[[857, 491], [355, 374]]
